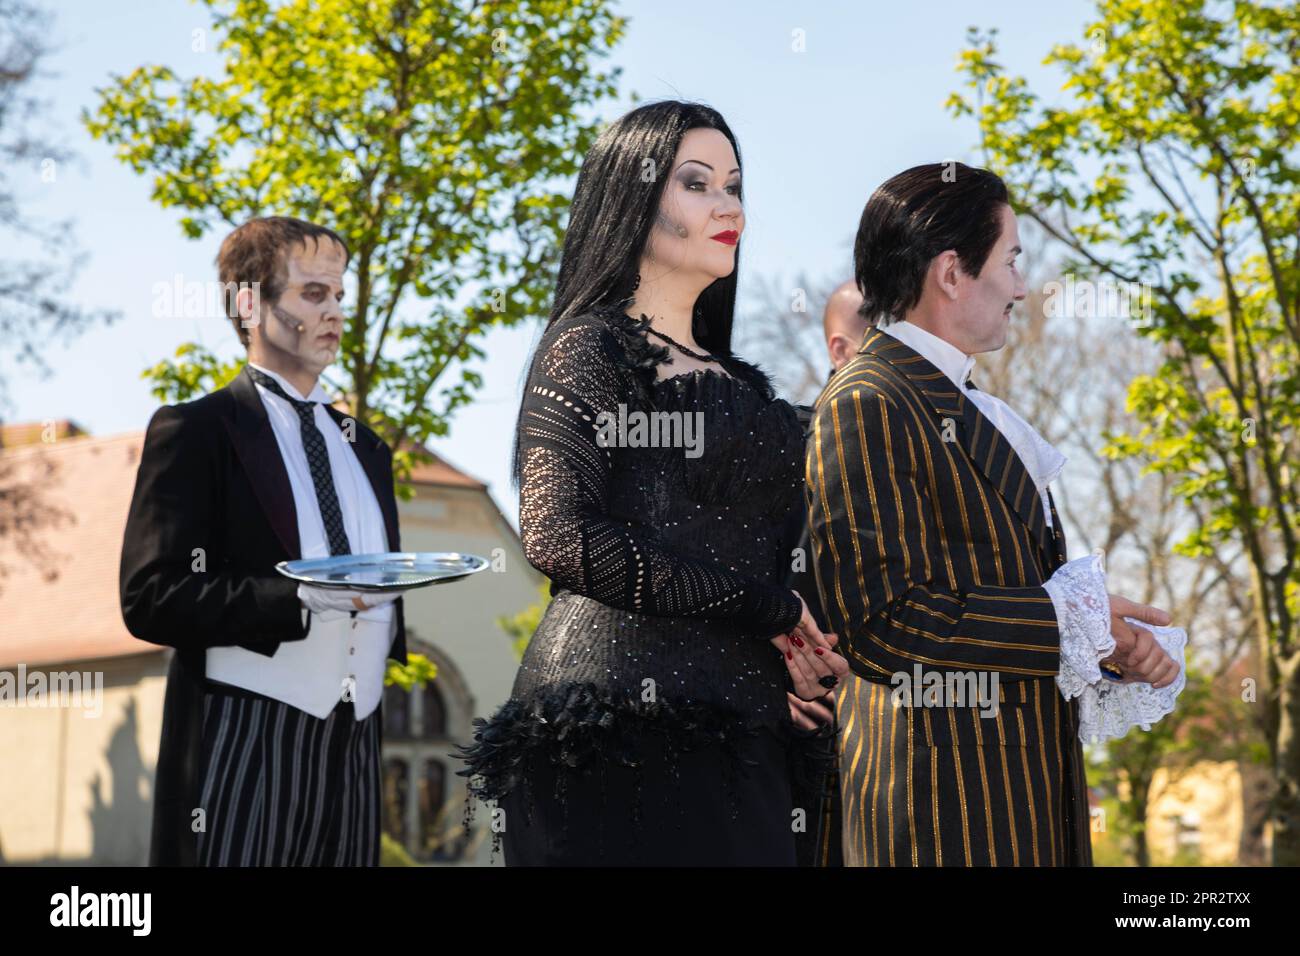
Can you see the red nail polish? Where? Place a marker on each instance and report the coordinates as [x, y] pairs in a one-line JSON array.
[[818, 650], [797, 642], [789, 655]]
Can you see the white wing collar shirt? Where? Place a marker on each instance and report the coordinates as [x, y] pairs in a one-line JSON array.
[[1078, 588], [1043, 461], [342, 653]]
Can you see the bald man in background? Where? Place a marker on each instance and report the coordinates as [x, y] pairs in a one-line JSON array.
[[843, 324], [844, 328]]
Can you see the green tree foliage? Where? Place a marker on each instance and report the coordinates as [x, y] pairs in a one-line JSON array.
[[1170, 164], [416, 672], [436, 136], [520, 627]]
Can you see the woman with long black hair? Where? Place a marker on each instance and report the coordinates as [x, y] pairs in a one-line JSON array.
[[649, 722]]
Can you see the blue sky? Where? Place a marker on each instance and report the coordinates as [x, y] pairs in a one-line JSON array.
[[818, 131]]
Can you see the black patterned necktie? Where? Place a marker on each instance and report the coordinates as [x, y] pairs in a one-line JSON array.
[[318, 460]]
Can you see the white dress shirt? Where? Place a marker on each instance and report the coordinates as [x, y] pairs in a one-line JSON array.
[[1041, 460], [342, 653]]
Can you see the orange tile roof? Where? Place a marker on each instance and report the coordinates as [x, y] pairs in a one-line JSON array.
[[441, 472], [28, 433]]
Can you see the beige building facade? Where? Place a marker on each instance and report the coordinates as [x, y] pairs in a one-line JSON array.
[[81, 699]]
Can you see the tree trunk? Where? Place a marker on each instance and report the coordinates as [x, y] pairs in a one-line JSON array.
[[1286, 768], [1256, 784], [1141, 850]]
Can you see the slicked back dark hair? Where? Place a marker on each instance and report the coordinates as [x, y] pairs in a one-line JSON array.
[[912, 218], [614, 206]]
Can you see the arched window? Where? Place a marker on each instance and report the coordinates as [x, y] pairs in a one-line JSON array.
[[419, 783], [396, 775], [434, 718], [397, 713], [433, 794]]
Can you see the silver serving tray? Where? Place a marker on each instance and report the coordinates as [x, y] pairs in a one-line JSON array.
[[383, 572]]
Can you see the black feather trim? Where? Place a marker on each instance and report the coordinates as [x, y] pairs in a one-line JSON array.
[[579, 726], [642, 356]]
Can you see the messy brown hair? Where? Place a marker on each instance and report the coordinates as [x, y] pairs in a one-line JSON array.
[[255, 253]]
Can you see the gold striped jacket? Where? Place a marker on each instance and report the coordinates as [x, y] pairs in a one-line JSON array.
[[930, 546]]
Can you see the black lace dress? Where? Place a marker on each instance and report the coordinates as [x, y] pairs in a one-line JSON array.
[[648, 723]]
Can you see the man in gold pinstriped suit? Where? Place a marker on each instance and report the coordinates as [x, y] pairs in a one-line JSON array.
[[933, 536]]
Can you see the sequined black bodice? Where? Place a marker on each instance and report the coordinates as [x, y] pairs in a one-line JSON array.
[[658, 530], [666, 562]]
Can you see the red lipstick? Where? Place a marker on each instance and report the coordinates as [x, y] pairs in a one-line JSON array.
[[730, 237]]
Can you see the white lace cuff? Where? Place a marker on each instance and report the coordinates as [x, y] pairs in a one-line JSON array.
[[1110, 710], [1078, 592], [1107, 709]]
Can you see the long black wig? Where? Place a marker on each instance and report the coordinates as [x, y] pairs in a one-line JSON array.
[[614, 208]]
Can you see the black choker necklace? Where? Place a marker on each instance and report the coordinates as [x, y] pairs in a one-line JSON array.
[[698, 356]]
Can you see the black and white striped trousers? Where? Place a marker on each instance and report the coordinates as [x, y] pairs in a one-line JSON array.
[[283, 788]]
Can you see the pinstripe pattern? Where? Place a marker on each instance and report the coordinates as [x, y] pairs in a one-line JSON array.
[[930, 547], [283, 788]]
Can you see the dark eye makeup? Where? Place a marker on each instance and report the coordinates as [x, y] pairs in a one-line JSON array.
[[733, 188]]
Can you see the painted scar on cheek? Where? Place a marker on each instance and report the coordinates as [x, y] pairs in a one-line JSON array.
[[674, 227], [291, 323]]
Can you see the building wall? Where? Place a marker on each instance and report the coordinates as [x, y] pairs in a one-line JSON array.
[[458, 621], [1198, 817], [77, 786], [460, 618]]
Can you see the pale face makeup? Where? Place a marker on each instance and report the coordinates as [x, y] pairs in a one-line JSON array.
[[298, 336], [700, 214], [988, 298]]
